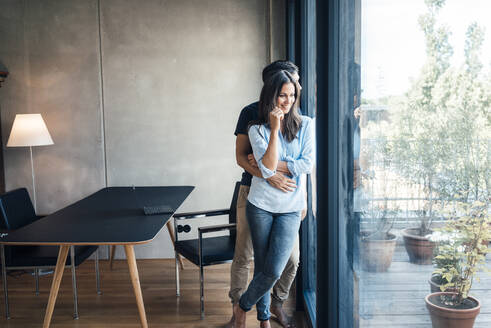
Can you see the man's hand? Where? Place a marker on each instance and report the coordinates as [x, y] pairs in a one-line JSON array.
[[279, 181], [252, 160]]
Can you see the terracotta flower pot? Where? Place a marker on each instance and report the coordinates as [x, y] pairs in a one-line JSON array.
[[444, 317], [376, 255], [419, 248]]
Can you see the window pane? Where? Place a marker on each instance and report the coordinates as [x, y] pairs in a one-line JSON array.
[[422, 151], [308, 104]]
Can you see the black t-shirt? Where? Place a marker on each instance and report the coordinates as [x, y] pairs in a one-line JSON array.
[[248, 114]]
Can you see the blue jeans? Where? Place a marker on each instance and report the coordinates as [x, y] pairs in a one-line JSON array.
[[273, 236]]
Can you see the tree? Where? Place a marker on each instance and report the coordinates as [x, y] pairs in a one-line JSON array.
[[415, 149], [442, 129], [463, 97]]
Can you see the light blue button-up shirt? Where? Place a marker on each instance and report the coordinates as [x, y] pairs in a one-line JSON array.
[[299, 155]]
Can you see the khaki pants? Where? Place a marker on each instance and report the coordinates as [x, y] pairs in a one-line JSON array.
[[239, 272]]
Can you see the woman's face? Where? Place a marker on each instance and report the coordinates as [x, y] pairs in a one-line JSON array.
[[286, 97]]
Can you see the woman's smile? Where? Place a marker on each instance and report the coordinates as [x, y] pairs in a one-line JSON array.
[[286, 108], [286, 98]]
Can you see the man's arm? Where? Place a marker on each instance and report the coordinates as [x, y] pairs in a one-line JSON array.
[[242, 151], [283, 168]]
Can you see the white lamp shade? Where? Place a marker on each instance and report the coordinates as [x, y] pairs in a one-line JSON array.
[[29, 130]]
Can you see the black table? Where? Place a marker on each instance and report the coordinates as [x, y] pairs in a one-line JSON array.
[[111, 216]]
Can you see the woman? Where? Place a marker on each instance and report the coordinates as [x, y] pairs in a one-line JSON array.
[[281, 134]]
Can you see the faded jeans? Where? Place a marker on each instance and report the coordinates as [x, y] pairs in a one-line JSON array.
[[273, 237], [243, 256]]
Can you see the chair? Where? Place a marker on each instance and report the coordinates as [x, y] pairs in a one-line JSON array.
[[16, 211], [206, 251]]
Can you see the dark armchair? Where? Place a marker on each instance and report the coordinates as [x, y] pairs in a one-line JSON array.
[[16, 211], [206, 251]]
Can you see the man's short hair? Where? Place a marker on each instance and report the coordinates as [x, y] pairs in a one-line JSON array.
[[277, 66]]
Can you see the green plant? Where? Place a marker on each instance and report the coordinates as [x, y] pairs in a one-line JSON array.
[[459, 260], [445, 256]]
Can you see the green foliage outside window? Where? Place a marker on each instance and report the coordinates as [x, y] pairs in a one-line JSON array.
[[462, 255], [441, 138]]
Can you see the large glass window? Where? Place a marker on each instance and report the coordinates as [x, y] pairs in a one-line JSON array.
[[422, 155], [403, 160]]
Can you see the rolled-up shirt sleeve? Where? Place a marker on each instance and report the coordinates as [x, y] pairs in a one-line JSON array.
[[305, 161], [259, 145]]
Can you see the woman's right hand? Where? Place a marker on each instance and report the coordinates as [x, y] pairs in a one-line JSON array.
[[275, 117]]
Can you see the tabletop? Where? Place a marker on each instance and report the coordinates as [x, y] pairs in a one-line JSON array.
[[112, 215]]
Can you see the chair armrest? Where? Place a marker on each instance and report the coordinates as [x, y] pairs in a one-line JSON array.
[[215, 228], [193, 215]]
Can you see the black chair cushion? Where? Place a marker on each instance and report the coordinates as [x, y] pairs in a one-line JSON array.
[[215, 249], [30, 256]]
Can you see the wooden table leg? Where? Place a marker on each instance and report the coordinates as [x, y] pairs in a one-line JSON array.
[[135, 280], [170, 229], [55, 285], [111, 256]]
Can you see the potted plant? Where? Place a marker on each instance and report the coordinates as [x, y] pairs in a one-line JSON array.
[[445, 257], [465, 258], [378, 245], [418, 243], [419, 162]]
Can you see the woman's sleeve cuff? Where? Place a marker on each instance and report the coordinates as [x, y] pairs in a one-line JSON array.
[[266, 173], [290, 163]]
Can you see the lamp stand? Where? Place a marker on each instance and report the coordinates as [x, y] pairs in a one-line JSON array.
[[33, 181]]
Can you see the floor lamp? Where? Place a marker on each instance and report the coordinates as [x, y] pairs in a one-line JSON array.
[[29, 130]]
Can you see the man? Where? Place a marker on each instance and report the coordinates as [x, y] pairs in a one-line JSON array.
[[239, 273]]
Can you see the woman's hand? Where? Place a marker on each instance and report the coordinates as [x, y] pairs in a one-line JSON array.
[[275, 117]]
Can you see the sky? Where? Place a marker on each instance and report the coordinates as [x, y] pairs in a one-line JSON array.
[[393, 46]]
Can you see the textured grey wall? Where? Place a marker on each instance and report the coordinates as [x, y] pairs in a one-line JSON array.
[[51, 51], [145, 92]]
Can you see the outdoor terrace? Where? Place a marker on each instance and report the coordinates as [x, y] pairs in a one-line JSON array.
[[396, 298]]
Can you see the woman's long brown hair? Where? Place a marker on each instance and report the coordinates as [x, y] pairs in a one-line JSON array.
[[270, 92]]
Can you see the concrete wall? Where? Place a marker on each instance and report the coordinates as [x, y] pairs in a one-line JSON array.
[[133, 93]]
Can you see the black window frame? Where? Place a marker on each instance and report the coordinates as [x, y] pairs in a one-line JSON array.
[[332, 39], [337, 81], [301, 50]]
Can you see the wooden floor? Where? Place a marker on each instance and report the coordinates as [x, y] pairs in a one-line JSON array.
[[391, 299], [116, 308], [396, 298]]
